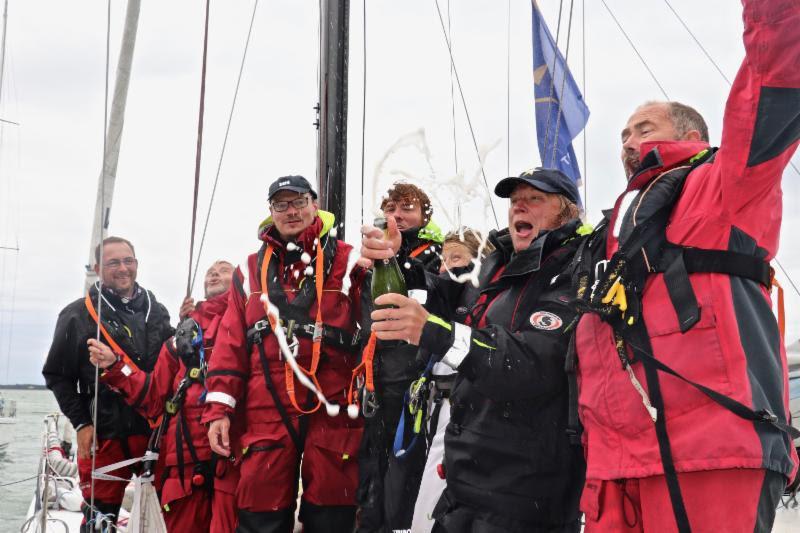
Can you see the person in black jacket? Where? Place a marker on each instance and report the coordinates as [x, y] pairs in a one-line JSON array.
[[396, 366], [136, 326], [510, 464]]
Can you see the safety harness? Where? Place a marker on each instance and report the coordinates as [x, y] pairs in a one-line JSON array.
[[115, 347], [124, 357], [613, 290], [296, 322]]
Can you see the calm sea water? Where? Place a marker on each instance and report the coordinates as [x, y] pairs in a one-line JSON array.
[[21, 459]]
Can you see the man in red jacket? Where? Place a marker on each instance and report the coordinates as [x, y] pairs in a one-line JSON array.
[[311, 277], [198, 488], [681, 367]]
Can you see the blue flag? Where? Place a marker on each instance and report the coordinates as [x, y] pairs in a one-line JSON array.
[[561, 112]]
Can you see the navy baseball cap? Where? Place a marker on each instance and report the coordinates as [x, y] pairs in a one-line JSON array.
[[297, 184], [545, 179]]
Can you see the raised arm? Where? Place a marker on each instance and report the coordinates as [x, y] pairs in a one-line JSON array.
[[762, 116], [229, 365], [146, 392]]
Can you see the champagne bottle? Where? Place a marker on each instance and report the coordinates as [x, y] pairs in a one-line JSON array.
[[386, 274]]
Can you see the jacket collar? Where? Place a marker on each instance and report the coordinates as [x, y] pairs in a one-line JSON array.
[[659, 156], [215, 305], [306, 241]]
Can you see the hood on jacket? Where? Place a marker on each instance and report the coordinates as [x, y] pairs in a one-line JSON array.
[[431, 232]]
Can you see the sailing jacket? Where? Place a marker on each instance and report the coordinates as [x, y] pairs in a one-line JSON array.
[[139, 325], [148, 392], [236, 373], [732, 202], [507, 451]]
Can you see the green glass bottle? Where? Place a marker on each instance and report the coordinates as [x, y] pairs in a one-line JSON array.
[[386, 274]]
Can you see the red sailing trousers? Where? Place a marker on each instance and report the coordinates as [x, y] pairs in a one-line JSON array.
[[736, 500], [189, 508], [329, 465], [110, 451]]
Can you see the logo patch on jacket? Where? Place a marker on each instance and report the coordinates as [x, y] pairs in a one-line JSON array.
[[546, 320]]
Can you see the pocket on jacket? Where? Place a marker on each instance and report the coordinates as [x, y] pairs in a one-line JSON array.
[[697, 356]]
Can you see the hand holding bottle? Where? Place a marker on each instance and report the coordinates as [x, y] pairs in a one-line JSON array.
[[398, 318], [377, 243]]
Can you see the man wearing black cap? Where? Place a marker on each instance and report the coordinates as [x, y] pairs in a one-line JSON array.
[[509, 462], [304, 271]]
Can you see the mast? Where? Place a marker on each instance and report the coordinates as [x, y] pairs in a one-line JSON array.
[[108, 176], [334, 50]]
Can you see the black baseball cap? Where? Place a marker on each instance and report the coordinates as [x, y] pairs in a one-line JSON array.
[[297, 184], [545, 179]]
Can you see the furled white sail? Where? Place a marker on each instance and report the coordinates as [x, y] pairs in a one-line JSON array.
[[108, 176]]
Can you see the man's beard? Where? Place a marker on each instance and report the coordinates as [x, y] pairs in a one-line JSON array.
[[631, 164]]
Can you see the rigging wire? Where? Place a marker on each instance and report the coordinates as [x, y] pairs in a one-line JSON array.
[[224, 146], [646, 66], [189, 278], [508, 90], [466, 112], [103, 220], [583, 89], [552, 78], [563, 82], [452, 101], [728, 81], [363, 105]]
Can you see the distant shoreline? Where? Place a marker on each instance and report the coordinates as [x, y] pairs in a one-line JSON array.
[[23, 387]]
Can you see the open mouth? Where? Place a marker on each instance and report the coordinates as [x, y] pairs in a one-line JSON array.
[[523, 229]]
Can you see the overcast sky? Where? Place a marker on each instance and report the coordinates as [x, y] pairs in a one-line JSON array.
[[53, 87]]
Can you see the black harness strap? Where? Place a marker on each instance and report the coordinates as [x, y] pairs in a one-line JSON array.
[[332, 335], [273, 392], [574, 428]]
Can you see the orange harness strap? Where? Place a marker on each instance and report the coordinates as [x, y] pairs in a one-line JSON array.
[[153, 423], [109, 339], [316, 350], [419, 249], [365, 368]]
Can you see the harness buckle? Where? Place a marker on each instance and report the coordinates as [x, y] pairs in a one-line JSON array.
[[768, 416], [369, 406], [194, 373], [603, 263], [316, 336], [261, 325]]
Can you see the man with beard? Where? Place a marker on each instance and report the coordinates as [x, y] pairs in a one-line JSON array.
[[509, 462], [306, 273], [136, 325], [681, 365], [198, 492]]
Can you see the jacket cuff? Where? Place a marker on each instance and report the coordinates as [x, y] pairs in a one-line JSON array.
[[116, 374], [218, 405], [437, 335]]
